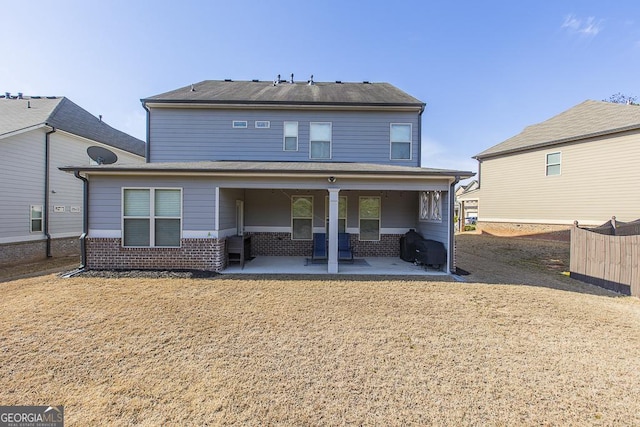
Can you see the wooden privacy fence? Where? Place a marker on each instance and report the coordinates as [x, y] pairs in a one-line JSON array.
[[608, 261]]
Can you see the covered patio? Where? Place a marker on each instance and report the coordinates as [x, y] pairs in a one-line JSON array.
[[304, 265]]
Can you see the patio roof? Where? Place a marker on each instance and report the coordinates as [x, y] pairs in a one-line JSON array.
[[307, 169]]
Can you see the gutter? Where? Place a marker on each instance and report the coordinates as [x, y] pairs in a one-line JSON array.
[[147, 146], [452, 243], [47, 155], [85, 219]]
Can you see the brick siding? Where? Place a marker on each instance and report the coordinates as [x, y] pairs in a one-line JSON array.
[[194, 254], [26, 252]]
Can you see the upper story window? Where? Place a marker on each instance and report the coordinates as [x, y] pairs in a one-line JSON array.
[[553, 163], [151, 217], [239, 124], [262, 124], [400, 141], [35, 219], [290, 136], [320, 140]]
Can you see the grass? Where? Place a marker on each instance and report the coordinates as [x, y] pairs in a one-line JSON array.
[[314, 352]]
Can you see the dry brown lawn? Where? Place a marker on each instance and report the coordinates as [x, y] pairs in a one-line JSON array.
[[308, 351]]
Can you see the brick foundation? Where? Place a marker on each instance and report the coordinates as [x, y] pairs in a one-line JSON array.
[[280, 244], [194, 254], [27, 252]]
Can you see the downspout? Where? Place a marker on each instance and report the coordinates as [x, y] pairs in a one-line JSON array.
[[452, 243], [47, 155], [85, 219], [147, 148], [420, 135]]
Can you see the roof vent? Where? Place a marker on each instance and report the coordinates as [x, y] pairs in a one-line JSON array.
[[19, 95], [311, 80], [7, 95], [193, 89], [291, 81], [255, 80], [100, 117], [339, 81], [366, 82], [28, 104], [228, 80]]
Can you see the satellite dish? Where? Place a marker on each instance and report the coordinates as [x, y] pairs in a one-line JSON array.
[[101, 155]]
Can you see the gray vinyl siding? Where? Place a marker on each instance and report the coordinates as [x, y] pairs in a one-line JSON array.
[[207, 134], [228, 198], [22, 183], [272, 208], [598, 179], [198, 200], [438, 231]]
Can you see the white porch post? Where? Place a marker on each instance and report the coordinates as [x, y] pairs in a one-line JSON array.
[[333, 230]]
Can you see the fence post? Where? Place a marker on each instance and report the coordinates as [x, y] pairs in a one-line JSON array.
[[613, 225]]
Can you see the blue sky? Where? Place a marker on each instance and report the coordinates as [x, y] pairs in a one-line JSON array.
[[485, 69]]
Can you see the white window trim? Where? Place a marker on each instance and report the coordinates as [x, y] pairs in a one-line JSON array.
[[151, 216], [31, 219], [292, 217], [284, 136], [239, 124], [401, 142], [330, 141], [547, 164], [266, 123], [379, 217]]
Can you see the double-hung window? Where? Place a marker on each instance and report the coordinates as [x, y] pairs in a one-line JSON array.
[[369, 218], [553, 163], [302, 217], [35, 219], [290, 136], [320, 140], [400, 141], [152, 217]]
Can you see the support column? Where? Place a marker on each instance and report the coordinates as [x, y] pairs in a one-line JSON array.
[[333, 230]]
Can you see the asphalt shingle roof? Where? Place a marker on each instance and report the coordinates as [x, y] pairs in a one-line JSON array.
[[585, 120], [63, 114], [298, 93]]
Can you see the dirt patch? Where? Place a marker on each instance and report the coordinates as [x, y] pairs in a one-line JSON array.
[[256, 351]]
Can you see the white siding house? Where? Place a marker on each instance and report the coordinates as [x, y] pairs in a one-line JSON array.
[[581, 165]]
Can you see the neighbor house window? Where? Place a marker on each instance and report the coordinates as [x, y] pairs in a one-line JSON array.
[[239, 124], [400, 141], [342, 214], [35, 219], [553, 163], [369, 218], [320, 141], [290, 136], [262, 124], [431, 206], [152, 217], [301, 217]]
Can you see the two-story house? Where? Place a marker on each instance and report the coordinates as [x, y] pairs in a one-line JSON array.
[[41, 214], [580, 165], [274, 161]]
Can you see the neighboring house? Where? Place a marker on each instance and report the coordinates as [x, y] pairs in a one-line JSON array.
[[466, 209], [41, 213], [274, 162], [579, 165]]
